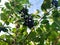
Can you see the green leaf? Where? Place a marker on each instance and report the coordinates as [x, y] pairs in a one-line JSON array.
[[8, 5], [22, 1], [39, 31], [0, 24], [14, 30], [32, 36], [36, 16], [55, 26], [45, 21], [58, 2], [53, 35], [55, 13], [4, 16], [7, 22], [46, 5], [25, 1], [35, 22]]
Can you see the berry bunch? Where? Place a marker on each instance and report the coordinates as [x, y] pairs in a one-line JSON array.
[[3, 29], [55, 3], [28, 20]]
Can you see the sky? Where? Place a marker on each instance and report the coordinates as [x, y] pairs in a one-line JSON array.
[[36, 4]]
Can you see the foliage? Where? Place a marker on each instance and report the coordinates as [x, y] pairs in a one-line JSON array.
[[44, 30]]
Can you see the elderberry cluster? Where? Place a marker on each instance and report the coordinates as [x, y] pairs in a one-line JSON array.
[[3, 29], [55, 3], [28, 20]]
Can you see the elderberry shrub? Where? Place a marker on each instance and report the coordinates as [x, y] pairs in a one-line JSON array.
[[55, 3], [3, 29]]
